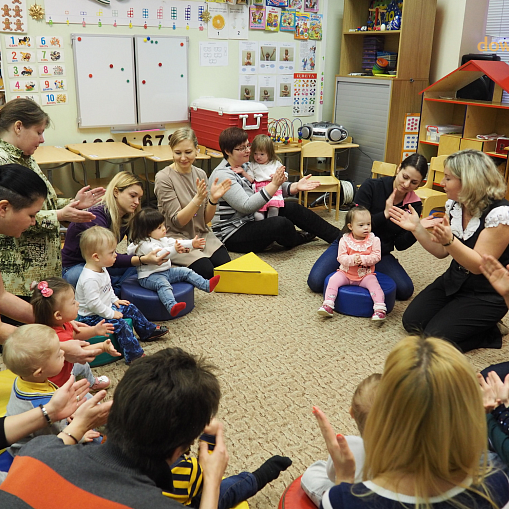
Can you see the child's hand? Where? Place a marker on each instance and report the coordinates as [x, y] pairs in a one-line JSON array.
[[121, 302], [110, 349], [357, 259], [199, 243], [90, 435], [117, 314], [103, 328], [180, 248], [237, 169]]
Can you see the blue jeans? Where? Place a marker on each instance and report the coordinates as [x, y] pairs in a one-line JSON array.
[[233, 490], [125, 337], [160, 282], [117, 275], [388, 265]]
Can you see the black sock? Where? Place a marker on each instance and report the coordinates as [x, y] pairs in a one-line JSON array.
[[271, 469]]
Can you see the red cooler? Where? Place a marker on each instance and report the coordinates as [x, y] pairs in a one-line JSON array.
[[211, 115]]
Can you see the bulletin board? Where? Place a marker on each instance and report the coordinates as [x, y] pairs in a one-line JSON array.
[[126, 81]]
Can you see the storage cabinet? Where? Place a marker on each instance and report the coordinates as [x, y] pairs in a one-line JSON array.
[[413, 45], [440, 107]]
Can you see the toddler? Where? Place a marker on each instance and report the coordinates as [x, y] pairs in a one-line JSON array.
[[263, 163], [97, 300], [321, 475], [33, 353], [188, 476], [148, 233], [358, 252], [54, 305]]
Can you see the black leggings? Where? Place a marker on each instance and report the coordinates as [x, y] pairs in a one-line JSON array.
[[205, 266], [255, 236]]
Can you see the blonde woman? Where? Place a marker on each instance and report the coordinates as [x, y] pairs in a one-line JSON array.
[[425, 437], [187, 205], [461, 305], [121, 201]]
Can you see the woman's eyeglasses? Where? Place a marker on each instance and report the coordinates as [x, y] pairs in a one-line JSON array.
[[244, 148]]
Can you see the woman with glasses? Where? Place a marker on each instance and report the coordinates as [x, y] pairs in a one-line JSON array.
[[187, 205], [233, 222]]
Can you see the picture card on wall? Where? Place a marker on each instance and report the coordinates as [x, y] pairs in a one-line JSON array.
[[315, 27], [17, 40], [248, 53], [13, 18], [213, 53], [19, 55], [267, 89], [54, 98], [53, 85], [302, 26], [50, 55], [268, 58], [32, 97], [273, 15], [287, 21], [248, 87], [50, 41], [21, 71], [286, 57], [51, 70], [307, 55], [217, 26], [284, 90], [24, 85], [256, 18], [238, 21], [311, 5]]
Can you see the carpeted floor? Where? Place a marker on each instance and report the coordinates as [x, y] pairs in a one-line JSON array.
[[277, 358]]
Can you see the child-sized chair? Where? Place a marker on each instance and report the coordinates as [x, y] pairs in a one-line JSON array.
[[356, 301], [430, 197], [147, 301]]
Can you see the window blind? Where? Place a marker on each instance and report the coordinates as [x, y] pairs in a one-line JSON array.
[[497, 23]]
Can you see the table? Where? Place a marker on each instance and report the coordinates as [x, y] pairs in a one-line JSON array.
[[109, 152], [58, 157]]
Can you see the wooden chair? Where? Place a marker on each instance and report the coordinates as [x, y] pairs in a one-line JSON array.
[[430, 197], [382, 169], [328, 183]]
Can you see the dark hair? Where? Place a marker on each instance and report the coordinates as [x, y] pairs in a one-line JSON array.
[[418, 161], [144, 222], [44, 307], [163, 402], [20, 186], [231, 138], [351, 214], [28, 112]]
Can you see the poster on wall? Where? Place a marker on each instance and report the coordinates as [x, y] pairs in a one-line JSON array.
[[307, 57], [286, 57], [248, 54], [287, 21], [217, 26], [213, 53], [267, 90], [238, 20], [256, 17], [13, 16], [268, 57], [284, 90], [304, 94], [248, 87], [272, 18]]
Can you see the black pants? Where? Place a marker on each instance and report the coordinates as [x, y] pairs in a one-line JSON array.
[[255, 236], [11, 321], [205, 266], [463, 318]]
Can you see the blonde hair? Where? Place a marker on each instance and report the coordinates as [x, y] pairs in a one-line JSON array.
[[263, 143], [427, 420], [28, 348], [94, 239], [363, 399], [183, 134], [481, 182], [121, 181]]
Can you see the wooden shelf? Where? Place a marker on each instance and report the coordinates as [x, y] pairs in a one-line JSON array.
[[429, 143], [372, 32], [469, 102], [495, 154]]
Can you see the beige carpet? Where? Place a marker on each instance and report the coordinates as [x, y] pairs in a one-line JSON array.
[[277, 358]]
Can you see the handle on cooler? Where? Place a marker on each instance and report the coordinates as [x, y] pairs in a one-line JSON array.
[[246, 127]]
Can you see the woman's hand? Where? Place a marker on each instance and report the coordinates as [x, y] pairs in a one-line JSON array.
[[92, 414], [407, 220], [442, 233], [199, 243], [496, 274], [72, 213], [217, 191], [201, 190], [88, 197], [304, 184], [389, 203], [279, 177], [153, 259], [489, 397], [67, 399], [342, 457], [75, 353], [214, 464]]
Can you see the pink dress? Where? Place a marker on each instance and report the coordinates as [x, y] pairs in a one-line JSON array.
[[262, 176]]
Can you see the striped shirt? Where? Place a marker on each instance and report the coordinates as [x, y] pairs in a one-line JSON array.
[[239, 203]]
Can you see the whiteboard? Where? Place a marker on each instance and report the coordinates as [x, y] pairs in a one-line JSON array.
[[105, 80], [130, 81], [162, 79]]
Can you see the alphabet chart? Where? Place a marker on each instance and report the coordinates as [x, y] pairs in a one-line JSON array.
[[35, 69]]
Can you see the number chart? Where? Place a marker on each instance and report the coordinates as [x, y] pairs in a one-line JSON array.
[[35, 69]]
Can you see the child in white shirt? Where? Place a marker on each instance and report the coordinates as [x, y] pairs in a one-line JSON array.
[[147, 234], [97, 300]]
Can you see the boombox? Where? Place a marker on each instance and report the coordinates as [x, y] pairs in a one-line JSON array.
[[324, 131]]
